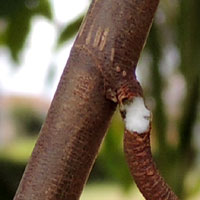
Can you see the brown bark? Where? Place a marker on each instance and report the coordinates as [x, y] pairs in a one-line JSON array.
[[149, 181], [71, 135], [101, 64], [137, 150]]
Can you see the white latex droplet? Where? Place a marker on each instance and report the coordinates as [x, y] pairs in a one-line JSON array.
[[137, 116]]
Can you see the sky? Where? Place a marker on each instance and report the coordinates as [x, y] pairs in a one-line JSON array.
[[40, 54]]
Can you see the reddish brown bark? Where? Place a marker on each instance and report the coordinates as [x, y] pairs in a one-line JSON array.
[[137, 150], [101, 64], [149, 181], [71, 135]]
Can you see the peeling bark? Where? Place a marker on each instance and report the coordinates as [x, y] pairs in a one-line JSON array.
[[99, 73]]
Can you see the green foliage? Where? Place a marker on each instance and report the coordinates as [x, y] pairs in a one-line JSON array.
[[27, 120], [188, 36], [186, 39], [10, 175], [111, 165], [157, 87], [70, 30], [18, 150], [16, 32], [17, 15]]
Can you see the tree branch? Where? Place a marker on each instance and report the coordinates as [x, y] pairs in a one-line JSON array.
[[99, 73]]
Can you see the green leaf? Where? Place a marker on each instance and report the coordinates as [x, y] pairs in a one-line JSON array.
[[44, 9], [17, 32], [70, 30], [17, 14], [10, 7]]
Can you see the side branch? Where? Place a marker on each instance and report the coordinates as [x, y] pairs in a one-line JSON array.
[[138, 150], [143, 169]]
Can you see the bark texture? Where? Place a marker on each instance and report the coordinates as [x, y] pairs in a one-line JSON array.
[[138, 154], [149, 181], [71, 135], [102, 64]]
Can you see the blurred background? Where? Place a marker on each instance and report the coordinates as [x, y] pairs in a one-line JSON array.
[[35, 41]]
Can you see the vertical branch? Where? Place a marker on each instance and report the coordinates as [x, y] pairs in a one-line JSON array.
[[71, 135]]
